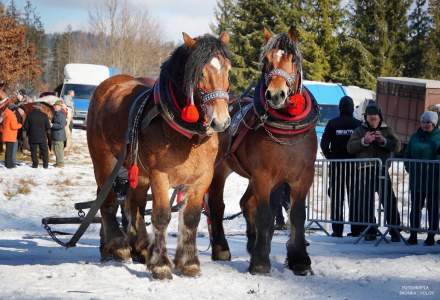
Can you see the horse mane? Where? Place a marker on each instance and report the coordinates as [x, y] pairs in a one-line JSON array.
[[185, 65], [283, 42]]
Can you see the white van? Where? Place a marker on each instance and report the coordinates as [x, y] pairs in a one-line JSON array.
[[83, 80]]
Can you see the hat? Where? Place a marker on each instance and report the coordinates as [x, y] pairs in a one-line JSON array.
[[59, 102], [373, 109], [346, 105], [429, 116]]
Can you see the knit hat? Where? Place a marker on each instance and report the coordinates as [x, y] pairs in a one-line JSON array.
[[346, 105], [429, 116], [59, 102]]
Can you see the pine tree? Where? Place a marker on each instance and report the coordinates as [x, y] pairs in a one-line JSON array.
[[397, 32], [324, 20], [432, 57], [418, 30], [224, 16]]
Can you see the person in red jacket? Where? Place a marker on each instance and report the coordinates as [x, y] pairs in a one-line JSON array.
[[10, 129]]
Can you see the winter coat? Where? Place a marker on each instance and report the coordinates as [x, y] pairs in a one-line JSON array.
[[36, 125], [58, 125], [373, 150], [336, 134], [10, 126], [423, 145]]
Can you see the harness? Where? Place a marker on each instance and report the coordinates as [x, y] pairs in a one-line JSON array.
[[256, 114]]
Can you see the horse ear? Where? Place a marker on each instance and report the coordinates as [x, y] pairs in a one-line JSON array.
[[189, 41], [267, 34], [224, 37], [293, 34]]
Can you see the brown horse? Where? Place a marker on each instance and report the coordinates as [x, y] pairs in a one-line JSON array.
[[270, 159], [171, 152]]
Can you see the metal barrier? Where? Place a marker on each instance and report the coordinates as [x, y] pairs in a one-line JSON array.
[[359, 181], [417, 187]]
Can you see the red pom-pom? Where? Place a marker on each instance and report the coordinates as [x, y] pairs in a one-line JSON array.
[[133, 176], [190, 114], [296, 105]]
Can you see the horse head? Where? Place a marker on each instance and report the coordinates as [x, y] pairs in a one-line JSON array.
[[203, 79], [282, 67]]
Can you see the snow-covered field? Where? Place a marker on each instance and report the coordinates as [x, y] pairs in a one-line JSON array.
[[32, 266]]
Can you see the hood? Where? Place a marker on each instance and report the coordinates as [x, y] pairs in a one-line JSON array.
[[346, 106]]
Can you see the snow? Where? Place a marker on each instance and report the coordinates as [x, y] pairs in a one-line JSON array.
[[32, 266]]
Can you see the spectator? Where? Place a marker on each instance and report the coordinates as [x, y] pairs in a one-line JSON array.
[[36, 125], [334, 141], [374, 139], [58, 133], [423, 181], [10, 129], [68, 98]]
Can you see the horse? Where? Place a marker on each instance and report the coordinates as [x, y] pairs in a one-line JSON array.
[[271, 153], [24, 109], [176, 146]]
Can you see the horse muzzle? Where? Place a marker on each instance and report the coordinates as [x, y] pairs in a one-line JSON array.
[[276, 100], [219, 126]]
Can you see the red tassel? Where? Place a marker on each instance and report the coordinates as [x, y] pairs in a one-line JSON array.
[[296, 105], [133, 175], [190, 114]]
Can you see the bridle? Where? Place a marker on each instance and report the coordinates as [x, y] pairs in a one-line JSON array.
[[288, 77]]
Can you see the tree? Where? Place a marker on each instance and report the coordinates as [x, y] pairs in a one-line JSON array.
[[224, 15], [432, 55], [419, 31], [18, 62]]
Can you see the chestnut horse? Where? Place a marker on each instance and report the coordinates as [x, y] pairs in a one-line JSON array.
[[269, 160], [197, 71]]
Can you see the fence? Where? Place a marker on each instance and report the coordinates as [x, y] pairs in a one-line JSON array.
[[416, 185], [344, 192], [352, 191]]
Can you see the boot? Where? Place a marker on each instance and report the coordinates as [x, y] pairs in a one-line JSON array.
[[412, 239], [395, 236], [429, 240]]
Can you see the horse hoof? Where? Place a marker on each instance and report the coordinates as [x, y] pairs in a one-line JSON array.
[[261, 269], [303, 270], [117, 249], [191, 270], [218, 254], [162, 272], [122, 254]]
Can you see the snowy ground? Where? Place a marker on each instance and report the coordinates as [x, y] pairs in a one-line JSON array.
[[32, 266]]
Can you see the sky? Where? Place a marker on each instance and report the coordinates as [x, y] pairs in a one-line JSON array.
[[173, 16]]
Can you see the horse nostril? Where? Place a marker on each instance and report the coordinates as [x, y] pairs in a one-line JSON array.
[[283, 95], [268, 95]]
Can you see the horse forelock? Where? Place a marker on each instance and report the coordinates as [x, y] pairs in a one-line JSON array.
[[283, 42], [185, 65]]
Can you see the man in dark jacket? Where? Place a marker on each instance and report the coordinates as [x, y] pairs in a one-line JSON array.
[[58, 133], [36, 125], [334, 141], [374, 139]]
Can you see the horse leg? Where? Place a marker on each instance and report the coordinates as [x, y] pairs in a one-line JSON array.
[[134, 208], [186, 260], [260, 262], [297, 258], [159, 263], [220, 247], [248, 204]]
